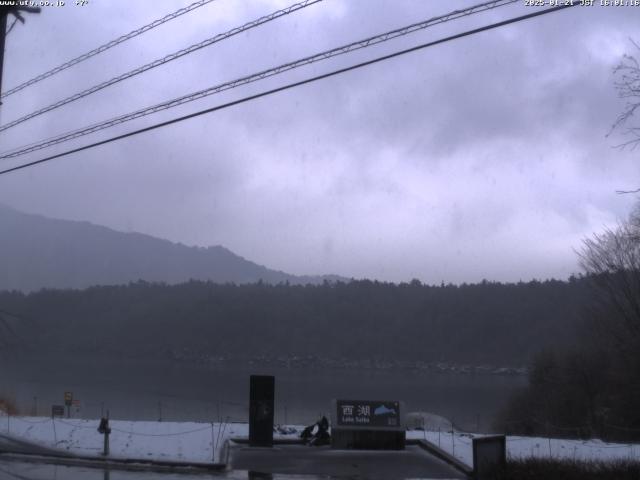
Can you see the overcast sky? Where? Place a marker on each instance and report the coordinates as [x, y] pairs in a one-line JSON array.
[[484, 157]]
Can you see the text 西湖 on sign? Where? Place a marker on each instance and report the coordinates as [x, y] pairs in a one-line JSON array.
[[367, 413]]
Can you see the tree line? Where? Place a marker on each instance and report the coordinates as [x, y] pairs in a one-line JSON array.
[[486, 323], [591, 386]]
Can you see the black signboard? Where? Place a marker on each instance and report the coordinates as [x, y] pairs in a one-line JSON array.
[[57, 410], [368, 413], [261, 409]]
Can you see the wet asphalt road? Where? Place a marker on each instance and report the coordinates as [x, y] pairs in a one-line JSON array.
[[413, 462], [288, 462]]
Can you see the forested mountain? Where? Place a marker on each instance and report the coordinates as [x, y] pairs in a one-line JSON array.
[[499, 324], [38, 252]]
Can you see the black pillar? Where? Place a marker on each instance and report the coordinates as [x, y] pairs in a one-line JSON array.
[[261, 392]]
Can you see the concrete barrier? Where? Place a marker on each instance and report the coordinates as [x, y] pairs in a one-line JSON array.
[[442, 455]]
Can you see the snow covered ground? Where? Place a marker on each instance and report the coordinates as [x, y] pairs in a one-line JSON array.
[[170, 441], [460, 446], [202, 442]]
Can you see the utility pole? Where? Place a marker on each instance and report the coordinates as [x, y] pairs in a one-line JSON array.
[[15, 10], [3, 33]]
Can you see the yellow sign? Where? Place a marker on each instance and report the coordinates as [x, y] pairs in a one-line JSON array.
[[68, 398]]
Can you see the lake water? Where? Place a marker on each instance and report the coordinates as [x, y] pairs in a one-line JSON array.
[[180, 392]]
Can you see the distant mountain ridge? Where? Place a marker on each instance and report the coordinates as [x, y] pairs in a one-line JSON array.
[[40, 252]]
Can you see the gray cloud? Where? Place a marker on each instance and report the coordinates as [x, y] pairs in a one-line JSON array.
[[481, 158]]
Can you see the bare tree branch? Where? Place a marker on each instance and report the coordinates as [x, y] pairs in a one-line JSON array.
[[612, 260], [628, 87]]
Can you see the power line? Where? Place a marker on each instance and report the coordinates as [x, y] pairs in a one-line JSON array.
[[161, 61], [293, 85], [344, 49], [9, 314], [170, 434], [107, 46]]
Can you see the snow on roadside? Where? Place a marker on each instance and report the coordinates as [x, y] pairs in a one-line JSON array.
[[196, 442], [169, 441], [524, 447], [594, 449]]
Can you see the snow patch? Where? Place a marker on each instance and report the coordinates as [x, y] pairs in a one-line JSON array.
[[203, 442]]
